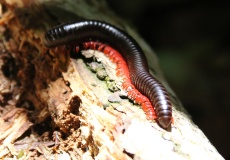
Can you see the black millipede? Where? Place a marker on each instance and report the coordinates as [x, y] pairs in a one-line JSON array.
[[79, 32]]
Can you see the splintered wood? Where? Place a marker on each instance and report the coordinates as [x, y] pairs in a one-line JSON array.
[[54, 107]]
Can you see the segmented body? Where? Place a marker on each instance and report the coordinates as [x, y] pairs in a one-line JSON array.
[[123, 72], [85, 31]]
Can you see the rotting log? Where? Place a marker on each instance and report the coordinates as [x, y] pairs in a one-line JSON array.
[[88, 121]]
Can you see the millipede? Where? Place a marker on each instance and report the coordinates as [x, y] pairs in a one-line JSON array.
[[123, 50]]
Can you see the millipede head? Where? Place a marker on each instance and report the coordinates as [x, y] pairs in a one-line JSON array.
[[165, 121]]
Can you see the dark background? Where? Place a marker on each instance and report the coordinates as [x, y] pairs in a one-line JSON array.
[[191, 39]]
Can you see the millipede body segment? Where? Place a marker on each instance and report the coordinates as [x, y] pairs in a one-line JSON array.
[[122, 71], [123, 50]]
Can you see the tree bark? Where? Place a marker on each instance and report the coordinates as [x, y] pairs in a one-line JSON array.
[[88, 121]]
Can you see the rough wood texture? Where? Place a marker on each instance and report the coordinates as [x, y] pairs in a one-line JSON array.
[[85, 123]]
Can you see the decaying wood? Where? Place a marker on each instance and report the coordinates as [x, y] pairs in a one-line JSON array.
[[88, 121]]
